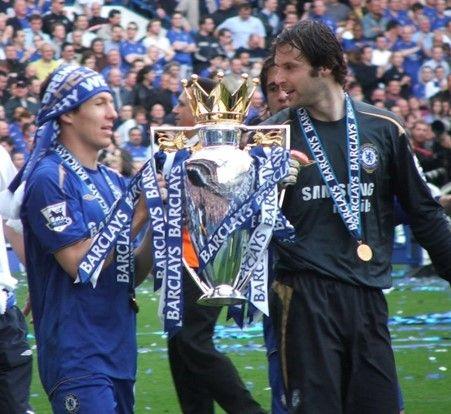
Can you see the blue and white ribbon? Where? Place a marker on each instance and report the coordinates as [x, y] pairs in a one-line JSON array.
[[349, 211]]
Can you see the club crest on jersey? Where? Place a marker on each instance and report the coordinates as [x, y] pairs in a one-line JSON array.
[[56, 216], [369, 157], [71, 403]]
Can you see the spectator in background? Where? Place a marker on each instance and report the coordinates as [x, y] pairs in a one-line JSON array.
[[207, 44], [438, 59], [76, 38], [397, 72], [356, 40], [68, 55], [427, 85], [441, 19], [243, 25], [421, 140], [19, 98], [225, 40], [411, 52], [58, 38], [381, 54], [318, 11], [56, 15], [374, 22], [396, 10], [19, 21], [423, 37], [233, 78], [367, 74], [34, 29], [114, 61], [96, 20], [124, 122], [46, 64], [115, 83], [18, 159], [98, 48], [81, 23], [116, 39], [4, 90], [156, 36], [12, 63], [131, 48], [270, 19], [135, 147], [106, 30], [183, 44], [88, 59], [225, 11], [157, 115], [256, 50]]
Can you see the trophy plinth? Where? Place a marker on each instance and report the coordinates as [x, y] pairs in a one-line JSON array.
[[222, 295]]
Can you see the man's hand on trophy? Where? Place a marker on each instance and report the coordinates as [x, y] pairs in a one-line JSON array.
[[297, 161], [162, 185]]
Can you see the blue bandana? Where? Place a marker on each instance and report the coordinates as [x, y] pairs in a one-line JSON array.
[[69, 87]]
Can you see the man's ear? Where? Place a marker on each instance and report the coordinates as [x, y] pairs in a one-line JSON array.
[[67, 118], [325, 72]]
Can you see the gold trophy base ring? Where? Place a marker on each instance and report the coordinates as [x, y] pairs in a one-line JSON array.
[[222, 295]]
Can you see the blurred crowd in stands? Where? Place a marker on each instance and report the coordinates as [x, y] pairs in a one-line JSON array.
[[398, 52]]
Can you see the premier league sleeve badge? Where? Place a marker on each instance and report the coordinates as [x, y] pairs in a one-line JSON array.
[[369, 157], [57, 217]]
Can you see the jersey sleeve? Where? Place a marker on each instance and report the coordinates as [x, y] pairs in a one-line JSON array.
[[53, 209], [428, 220]]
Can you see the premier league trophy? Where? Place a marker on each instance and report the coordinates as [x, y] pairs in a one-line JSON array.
[[230, 200]]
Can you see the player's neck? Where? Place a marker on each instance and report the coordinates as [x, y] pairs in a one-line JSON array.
[[330, 105], [85, 155]]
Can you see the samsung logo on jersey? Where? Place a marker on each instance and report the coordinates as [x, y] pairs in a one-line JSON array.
[[316, 192]]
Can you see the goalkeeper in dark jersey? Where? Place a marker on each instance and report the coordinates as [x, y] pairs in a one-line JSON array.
[[333, 335]]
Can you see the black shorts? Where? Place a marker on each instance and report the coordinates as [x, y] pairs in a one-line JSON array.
[[335, 347], [15, 363]]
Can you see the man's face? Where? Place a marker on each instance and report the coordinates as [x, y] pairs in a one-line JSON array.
[[245, 12], [117, 34], [132, 30], [294, 75], [82, 22], [47, 52], [18, 160], [420, 133], [93, 122], [68, 54], [115, 78], [135, 137], [19, 90], [276, 98], [182, 112], [177, 21], [36, 25]]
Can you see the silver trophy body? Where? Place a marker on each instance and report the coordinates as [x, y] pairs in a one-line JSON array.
[[219, 178]]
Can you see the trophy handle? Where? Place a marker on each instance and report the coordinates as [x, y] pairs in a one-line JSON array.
[[202, 286]]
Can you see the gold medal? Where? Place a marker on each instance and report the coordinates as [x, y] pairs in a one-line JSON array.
[[364, 252]]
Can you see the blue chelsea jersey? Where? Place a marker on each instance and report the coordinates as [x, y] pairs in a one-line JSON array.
[[79, 329]]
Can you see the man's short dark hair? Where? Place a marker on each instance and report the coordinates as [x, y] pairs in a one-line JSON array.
[[268, 63], [316, 43], [113, 12]]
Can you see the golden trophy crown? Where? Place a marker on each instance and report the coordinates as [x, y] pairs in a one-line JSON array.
[[220, 105]]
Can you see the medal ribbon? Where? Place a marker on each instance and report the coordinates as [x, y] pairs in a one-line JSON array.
[[349, 212]]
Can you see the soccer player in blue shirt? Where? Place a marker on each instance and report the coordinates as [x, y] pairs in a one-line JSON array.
[[85, 335]]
